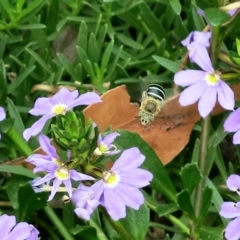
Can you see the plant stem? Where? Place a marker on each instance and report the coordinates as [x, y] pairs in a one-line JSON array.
[[179, 223], [202, 163], [20, 143], [58, 223], [100, 233]]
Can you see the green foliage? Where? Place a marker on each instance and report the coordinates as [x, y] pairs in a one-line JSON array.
[[98, 45]]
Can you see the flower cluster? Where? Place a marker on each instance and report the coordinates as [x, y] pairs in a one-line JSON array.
[[9, 230], [117, 189], [232, 210], [203, 85], [113, 189]]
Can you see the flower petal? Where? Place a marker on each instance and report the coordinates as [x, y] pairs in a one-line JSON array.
[[110, 138], [232, 230], [56, 184], [41, 107], [34, 233], [6, 224], [207, 101], [202, 38], [64, 96], [225, 96], [85, 99], [230, 210], [192, 94], [46, 146], [2, 114], [233, 182], [79, 176], [68, 186], [232, 123], [36, 127], [188, 77], [44, 179], [129, 159], [201, 57], [20, 232], [236, 137], [136, 177]]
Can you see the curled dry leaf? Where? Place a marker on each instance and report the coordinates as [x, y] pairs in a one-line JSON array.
[[167, 135]]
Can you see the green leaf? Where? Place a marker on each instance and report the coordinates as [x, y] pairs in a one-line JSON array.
[[82, 39], [6, 125], [152, 21], [93, 50], [106, 56], [3, 83], [39, 60], [12, 186], [17, 170], [176, 6], [206, 202], [213, 233], [195, 155], [238, 46], [68, 66], [7, 8], [216, 198], [14, 114], [23, 76], [3, 42], [161, 180], [29, 201], [32, 8], [185, 204], [31, 26], [136, 222], [129, 42], [168, 64], [216, 17], [165, 209], [190, 171]]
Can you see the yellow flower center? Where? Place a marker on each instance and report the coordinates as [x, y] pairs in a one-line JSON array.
[[213, 78], [111, 179], [101, 149], [59, 109], [62, 173]]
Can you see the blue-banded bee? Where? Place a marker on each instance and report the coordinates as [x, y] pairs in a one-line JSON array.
[[151, 103]]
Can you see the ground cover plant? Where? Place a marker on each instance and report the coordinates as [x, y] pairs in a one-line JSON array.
[[79, 157]]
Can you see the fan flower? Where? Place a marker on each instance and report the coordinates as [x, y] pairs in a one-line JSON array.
[[60, 103], [197, 44], [2, 115], [105, 146], [205, 86], [84, 201], [232, 124], [57, 170], [119, 186], [9, 230], [232, 210]]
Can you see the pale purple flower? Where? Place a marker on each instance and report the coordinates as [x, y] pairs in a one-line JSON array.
[[232, 210], [105, 146], [2, 116], [84, 201], [232, 124], [60, 103], [197, 43], [9, 230], [205, 86], [57, 170], [119, 186]]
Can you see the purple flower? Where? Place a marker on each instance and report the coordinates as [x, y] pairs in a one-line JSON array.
[[22, 231], [56, 170], [232, 124], [232, 210], [197, 43], [205, 86], [2, 115], [105, 146], [119, 186], [84, 201], [60, 103]]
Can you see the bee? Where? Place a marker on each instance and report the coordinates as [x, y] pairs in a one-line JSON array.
[[151, 103]]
